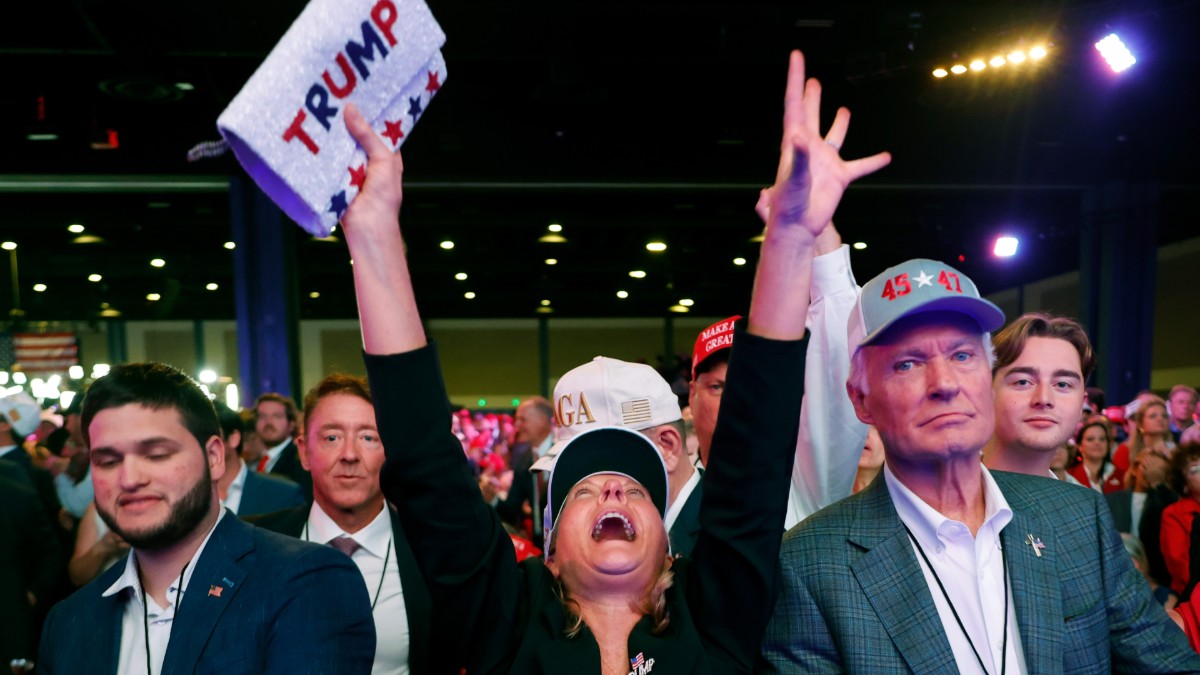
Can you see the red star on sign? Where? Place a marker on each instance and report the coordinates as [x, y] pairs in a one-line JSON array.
[[433, 84], [393, 131], [358, 175]]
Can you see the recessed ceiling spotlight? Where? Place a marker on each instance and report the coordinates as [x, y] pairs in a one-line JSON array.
[[75, 228], [94, 278], [158, 262]]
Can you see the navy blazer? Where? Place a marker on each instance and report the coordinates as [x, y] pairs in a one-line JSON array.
[[264, 493], [849, 602], [417, 604], [258, 602]]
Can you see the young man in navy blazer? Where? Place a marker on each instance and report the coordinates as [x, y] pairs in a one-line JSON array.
[[200, 590]]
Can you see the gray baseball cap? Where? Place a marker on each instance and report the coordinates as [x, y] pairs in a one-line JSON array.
[[913, 287]]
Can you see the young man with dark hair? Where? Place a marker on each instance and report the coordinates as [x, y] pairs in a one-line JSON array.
[[1042, 363], [275, 417], [340, 446], [245, 492], [243, 598]]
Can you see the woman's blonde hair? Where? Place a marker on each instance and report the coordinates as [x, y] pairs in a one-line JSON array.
[[1137, 441]]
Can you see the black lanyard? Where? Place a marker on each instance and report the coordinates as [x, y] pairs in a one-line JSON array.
[[1004, 644], [382, 575], [146, 612]]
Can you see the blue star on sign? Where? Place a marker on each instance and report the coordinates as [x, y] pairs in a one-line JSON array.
[[337, 204], [414, 107]]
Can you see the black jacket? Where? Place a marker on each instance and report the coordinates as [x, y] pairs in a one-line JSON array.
[[507, 618]]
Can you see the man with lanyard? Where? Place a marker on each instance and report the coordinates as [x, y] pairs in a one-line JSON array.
[[200, 590], [340, 447], [1022, 574]]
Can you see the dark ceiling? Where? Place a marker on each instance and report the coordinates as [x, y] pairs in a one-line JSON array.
[[623, 122]]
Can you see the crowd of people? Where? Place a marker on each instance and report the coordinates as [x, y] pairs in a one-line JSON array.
[[954, 497]]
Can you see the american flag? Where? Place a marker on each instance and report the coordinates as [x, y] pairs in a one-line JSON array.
[[636, 661], [38, 352]]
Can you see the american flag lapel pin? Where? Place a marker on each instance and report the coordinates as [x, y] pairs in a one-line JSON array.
[[214, 591], [1036, 543]]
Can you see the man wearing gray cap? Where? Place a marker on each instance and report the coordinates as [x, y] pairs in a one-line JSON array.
[[1021, 574], [610, 392]]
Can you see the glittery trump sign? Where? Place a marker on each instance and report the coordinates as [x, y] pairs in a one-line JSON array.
[[285, 126]]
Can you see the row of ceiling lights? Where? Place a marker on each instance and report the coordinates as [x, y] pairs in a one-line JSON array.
[[1015, 57]]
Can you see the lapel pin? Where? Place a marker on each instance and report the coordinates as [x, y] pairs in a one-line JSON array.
[[214, 591], [1036, 543], [227, 582]]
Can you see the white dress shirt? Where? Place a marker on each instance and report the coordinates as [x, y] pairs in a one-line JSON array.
[[831, 436], [681, 499], [383, 585], [272, 455], [971, 569], [142, 613], [233, 494], [1136, 506]]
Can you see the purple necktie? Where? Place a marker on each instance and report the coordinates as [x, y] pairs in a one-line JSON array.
[[345, 545]]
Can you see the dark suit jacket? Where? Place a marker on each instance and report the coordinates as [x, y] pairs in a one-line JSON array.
[[264, 493], [686, 528], [1120, 504], [521, 490], [288, 465], [850, 604], [258, 602], [417, 604], [30, 562], [40, 480]]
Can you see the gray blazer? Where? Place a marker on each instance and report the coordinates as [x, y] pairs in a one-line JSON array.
[[854, 600]]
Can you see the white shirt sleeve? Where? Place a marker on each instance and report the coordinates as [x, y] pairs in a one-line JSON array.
[[831, 437]]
